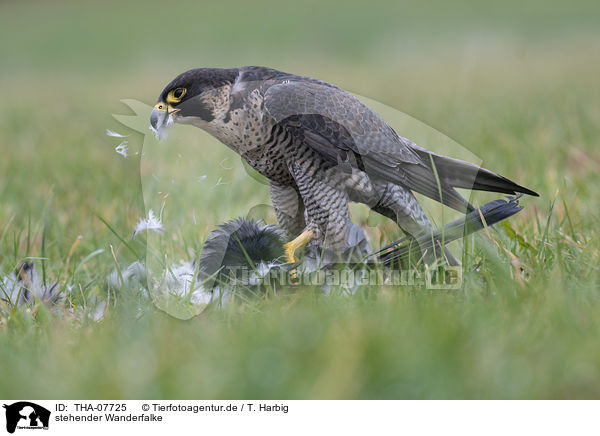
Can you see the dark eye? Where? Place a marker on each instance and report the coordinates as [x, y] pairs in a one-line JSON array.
[[175, 95]]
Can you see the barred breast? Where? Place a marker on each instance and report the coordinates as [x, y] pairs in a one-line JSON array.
[[256, 137]]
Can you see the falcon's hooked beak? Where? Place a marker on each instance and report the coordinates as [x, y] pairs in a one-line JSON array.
[[162, 117]]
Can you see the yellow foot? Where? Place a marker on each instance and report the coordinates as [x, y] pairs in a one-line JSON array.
[[291, 247]]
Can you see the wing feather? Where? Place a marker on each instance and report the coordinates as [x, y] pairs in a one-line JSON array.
[[341, 128]]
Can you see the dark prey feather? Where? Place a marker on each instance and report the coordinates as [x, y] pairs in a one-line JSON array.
[[492, 212], [237, 241]]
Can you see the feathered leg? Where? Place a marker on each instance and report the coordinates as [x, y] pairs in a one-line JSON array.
[[410, 217], [326, 204], [289, 208]]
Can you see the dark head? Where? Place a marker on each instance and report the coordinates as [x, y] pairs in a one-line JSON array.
[[238, 242], [193, 94]]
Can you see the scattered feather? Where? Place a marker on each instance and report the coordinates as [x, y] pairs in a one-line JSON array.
[[151, 223], [180, 278], [122, 148], [180, 282], [22, 286], [97, 313], [134, 277], [115, 134]]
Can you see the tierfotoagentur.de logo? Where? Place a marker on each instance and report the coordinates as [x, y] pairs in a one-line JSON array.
[[24, 415]]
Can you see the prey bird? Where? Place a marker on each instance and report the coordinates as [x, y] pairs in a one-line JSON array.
[[321, 148]]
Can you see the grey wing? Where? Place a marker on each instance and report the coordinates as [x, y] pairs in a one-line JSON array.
[[345, 131]]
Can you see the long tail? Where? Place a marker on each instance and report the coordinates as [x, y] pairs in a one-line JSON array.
[[455, 173], [486, 215]]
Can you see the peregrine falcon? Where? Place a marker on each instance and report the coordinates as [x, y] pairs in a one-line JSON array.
[[321, 148]]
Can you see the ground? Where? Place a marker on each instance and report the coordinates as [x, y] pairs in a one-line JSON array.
[[513, 82]]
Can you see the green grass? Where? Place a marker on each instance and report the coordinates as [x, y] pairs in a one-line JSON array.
[[515, 84]]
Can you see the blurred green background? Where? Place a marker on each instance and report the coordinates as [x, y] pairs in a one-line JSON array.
[[514, 82]]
